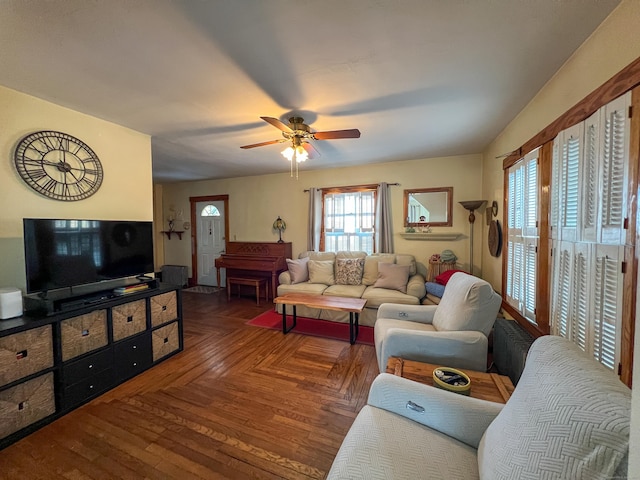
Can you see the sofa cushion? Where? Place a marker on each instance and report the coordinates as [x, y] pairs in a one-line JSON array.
[[468, 303], [304, 287], [381, 445], [377, 296], [556, 425], [349, 271], [321, 271], [392, 276], [298, 269], [350, 291], [371, 266]]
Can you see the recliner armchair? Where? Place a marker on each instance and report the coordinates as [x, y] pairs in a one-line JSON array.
[[453, 333]]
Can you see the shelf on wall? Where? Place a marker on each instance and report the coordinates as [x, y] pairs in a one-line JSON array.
[[430, 236], [169, 232]]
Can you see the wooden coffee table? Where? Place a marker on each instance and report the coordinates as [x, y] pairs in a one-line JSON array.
[[326, 302], [486, 386]]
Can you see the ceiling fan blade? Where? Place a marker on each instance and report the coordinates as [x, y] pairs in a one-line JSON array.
[[270, 142], [278, 124], [311, 150], [336, 134]]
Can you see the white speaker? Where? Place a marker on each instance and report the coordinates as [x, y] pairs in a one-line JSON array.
[[10, 303]]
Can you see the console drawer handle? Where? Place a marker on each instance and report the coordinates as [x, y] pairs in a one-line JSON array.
[[415, 407], [21, 354], [130, 318]]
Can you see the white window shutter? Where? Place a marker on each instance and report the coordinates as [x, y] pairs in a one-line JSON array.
[[530, 197], [590, 177], [607, 304], [556, 188], [614, 168], [529, 280], [570, 193], [561, 288], [516, 261], [582, 286]]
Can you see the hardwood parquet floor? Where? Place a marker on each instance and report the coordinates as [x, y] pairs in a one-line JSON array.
[[239, 402]]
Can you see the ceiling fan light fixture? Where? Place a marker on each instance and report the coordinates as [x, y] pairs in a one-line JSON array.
[[301, 154], [288, 153]]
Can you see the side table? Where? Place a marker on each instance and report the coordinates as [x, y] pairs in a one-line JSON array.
[[486, 386]]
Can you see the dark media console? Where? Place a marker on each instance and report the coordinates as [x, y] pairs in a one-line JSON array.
[[80, 347], [51, 303]]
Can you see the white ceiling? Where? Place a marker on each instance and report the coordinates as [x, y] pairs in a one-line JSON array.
[[419, 78]]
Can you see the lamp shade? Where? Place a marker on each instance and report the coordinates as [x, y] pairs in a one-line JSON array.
[[279, 224], [472, 205]]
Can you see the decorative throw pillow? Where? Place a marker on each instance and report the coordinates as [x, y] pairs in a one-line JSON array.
[[393, 277], [444, 277], [349, 271], [298, 270], [321, 271], [370, 274]]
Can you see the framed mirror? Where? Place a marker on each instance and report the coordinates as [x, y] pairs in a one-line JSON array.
[[428, 206]]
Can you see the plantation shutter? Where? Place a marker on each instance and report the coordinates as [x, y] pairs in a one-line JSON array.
[[580, 305], [607, 299], [530, 195], [570, 181], [522, 235], [589, 204], [556, 174], [615, 161], [561, 288], [590, 178], [530, 253]]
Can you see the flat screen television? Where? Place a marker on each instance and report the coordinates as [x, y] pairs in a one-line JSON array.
[[69, 253]]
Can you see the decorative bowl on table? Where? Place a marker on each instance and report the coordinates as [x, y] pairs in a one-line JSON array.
[[452, 380]]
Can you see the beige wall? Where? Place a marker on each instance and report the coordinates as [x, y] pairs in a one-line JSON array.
[[126, 191], [613, 46], [255, 202]]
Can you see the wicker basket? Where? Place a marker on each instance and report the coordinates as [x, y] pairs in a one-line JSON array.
[[26, 403], [25, 353], [164, 308], [436, 268], [165, 340], [83, 334], [129, 319]]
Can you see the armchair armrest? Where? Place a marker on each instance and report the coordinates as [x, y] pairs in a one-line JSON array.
[[410, 313], [463, 418], [459, 349]]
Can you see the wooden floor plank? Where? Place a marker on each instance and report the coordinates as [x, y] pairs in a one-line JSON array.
[[239, 402]]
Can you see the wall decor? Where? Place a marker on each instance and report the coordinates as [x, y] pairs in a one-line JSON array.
[[58, 166]]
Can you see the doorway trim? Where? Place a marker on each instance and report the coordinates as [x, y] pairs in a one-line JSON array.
[[194, 237]]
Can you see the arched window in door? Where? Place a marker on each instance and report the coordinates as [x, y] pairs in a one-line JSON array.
[[210, 211]]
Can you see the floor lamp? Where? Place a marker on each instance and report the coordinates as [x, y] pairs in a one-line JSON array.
[[472, 205]]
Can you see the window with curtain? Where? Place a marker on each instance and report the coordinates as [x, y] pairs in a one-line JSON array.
[[522, 235], [348, 219]]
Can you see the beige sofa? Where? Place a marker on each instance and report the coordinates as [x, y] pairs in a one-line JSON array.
[[378, 278]]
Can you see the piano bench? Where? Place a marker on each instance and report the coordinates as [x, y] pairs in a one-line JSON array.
[[256, 282]]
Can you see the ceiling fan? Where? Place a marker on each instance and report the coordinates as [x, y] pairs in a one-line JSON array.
[[298, 133]]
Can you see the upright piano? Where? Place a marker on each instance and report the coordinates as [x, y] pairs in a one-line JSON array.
[[255, 259]]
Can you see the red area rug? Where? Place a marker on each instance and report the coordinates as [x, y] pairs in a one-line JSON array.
[[311, 326]]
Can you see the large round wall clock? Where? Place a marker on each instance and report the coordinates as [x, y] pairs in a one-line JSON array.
[[58, 166]]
